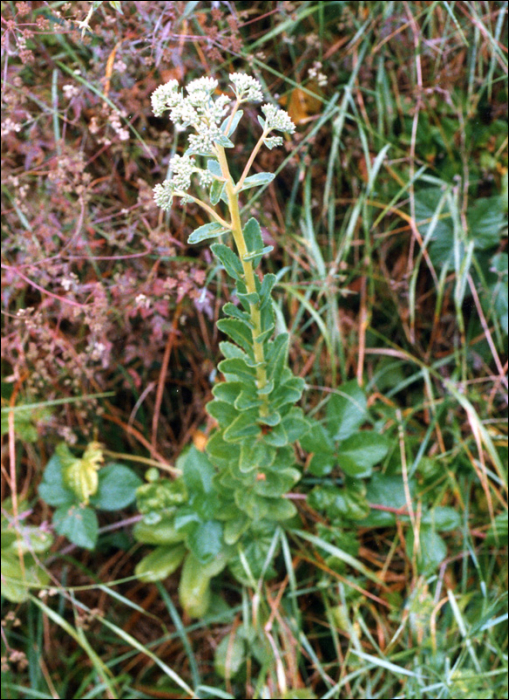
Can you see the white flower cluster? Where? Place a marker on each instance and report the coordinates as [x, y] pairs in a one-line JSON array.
[[182, 168], [205, 112], [273, 141], [197, 109], [277, 119], [247, 89]]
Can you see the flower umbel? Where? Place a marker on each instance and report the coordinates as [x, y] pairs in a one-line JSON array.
[[277, 119], [205, 111], [246, 88]]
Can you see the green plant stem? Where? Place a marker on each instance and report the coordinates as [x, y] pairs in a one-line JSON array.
[[250, 161], [205, 206], [249, 275]]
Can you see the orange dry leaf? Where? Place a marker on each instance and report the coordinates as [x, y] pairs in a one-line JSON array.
[[300, 105]]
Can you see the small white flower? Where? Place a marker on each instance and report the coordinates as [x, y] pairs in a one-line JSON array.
[[205, 177], [70, 91], [219, 108], [142, 300], [246, 87], [277, 119], [273, 141], [163, 195], [9, 125], [182, 168], [203, 141], [202, 85], [165, 97]]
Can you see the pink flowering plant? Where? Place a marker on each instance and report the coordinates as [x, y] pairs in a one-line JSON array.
[[226, 507]]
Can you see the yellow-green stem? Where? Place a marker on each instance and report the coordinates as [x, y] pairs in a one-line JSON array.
[[249, 275]]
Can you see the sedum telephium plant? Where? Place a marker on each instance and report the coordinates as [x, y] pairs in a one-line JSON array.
[[225, 508]]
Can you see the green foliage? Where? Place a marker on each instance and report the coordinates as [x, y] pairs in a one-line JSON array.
[[233, 497], [76, 487]]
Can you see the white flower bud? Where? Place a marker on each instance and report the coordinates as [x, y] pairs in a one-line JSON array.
[[246, 87], [277, 119]]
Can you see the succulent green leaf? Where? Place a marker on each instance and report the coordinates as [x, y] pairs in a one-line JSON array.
[[247, 399], [258, 254], [253, 237], [277, 437], [160, 563], [206, 231], [257, 180], [216, 191], [278, 357], [228, 391], [256, 507], [224, 141], [243, 426], [280, 509], [186, 520], [230, 350], [234, 529], [229, 260], [255, 455], [198, 471], [218, 448], [194, 588], [266, 289], [237, 367], [239, 332], [162, 532], [160, 495], [235, 312], [225, 413], [276, 484], [256, 547], [262, 337], [214, 167], [288, 393], [321, 464], [272, 419], [248, 299], [267, 389], [206, 541], [235, 122]]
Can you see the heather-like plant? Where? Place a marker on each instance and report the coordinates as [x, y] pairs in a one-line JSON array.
[[226, 506]]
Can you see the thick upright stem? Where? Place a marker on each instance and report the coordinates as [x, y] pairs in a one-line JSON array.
[[249, 275]]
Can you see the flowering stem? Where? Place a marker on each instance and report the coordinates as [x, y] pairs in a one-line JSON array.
[[249, 275], [208, 209], [230, 120], [249, 163]]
